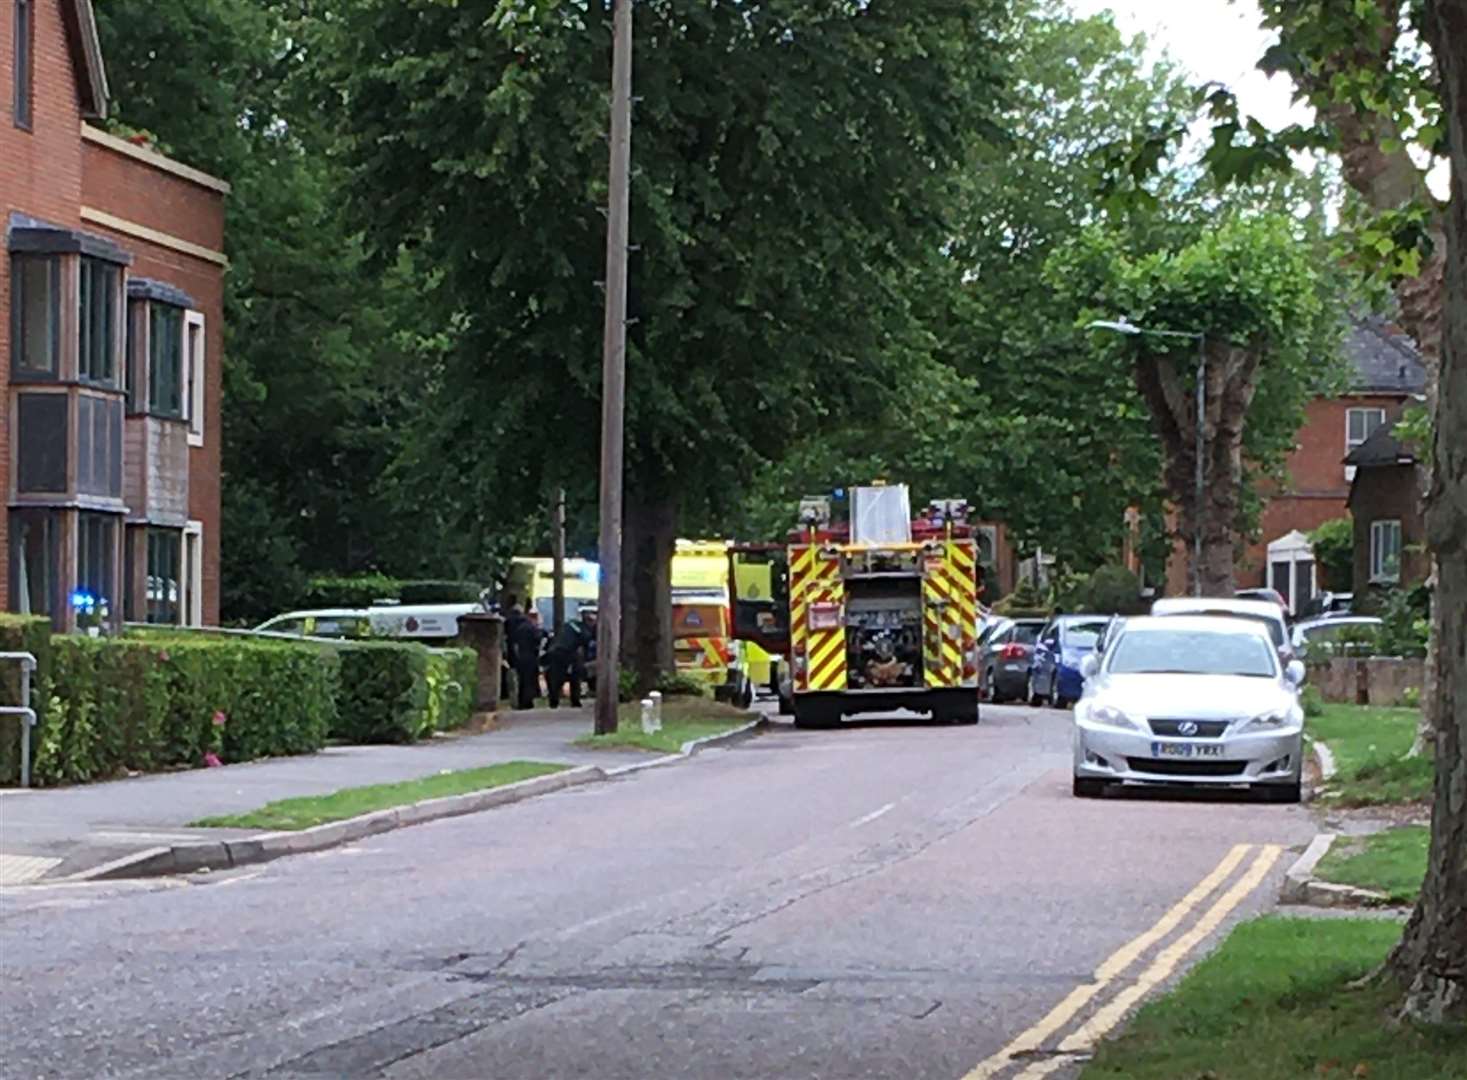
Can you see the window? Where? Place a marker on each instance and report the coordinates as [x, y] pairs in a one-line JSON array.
[[96, 560], [41, 443], [99, 446], [101, 283], [163, 583], [35, 314], [1385, 551], [35, 557], [193, 574], [24, 43], [165, 360], [1360, 424], [193, 359]]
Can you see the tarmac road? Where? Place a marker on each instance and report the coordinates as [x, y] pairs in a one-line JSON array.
[[894, 901]]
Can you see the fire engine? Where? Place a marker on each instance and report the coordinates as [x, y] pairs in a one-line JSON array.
[[878, 614]]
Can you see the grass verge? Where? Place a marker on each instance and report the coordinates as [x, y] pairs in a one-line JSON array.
[[683, 719], [1370, 745], [1275, 1003], [302, 813], [1392, 862]]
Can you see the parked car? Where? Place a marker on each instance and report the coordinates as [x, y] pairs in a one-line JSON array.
[[1261, 611], [1195, 700], [1054, 674], [431, 624], [1338, 635], [1327, 605], [1004, 657], [1272, 596]]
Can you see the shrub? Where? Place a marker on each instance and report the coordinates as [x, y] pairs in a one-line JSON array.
[[1334, 552], [21, 633], [1111, 590], [1024, 602], [1312, 700], [676, 684], [357, 591], [439, 592], [121, 704], [399, 692], [1405, 620]]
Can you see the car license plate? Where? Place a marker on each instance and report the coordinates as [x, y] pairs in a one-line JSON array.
[[1167, 749]]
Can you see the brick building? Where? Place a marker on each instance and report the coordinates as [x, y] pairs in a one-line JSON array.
[[1386, 376], [1386, 506], [111, 330]]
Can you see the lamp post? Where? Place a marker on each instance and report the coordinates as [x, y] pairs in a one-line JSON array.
[[1121, 326]]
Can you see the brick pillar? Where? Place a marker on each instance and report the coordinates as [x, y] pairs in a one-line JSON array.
[[484, 634]]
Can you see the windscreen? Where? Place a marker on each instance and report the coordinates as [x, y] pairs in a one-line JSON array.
[[1275, 626], [1192, 652], [1027, 633], [1083, 635]]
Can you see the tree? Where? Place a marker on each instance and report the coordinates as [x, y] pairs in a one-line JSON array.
[[792, 160], [1334, 552], [1251, 289]]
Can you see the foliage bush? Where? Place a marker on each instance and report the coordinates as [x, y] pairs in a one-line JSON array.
[[676, 684], [439, 592], [1111, 590], [21, 633], [1312, 700], [399, 692], [1405, 620], [111, 705], [1024, 602], [357, 591], [1334, 553]]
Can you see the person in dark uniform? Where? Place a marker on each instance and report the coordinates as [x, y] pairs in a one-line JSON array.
[[565, 660], [526, 646], [514, 616]]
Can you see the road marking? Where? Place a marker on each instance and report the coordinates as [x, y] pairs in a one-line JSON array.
[[1104, 1021], [21, 869], [872, 816], [1109, 970]]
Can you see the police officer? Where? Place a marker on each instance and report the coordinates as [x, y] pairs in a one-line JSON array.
[[526, 645], [565, 660]]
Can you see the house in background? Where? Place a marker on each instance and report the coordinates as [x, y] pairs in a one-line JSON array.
[[111, 315], [1387, 376], [1385, 502]]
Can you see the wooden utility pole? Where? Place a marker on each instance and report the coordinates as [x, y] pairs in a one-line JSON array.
[[613, 369], [557, 549]]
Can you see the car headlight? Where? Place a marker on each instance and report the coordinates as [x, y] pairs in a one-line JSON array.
[[1110, 716], [1271, 720]]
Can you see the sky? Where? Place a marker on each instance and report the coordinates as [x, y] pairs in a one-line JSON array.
[[1220, 41], [1215, 40]]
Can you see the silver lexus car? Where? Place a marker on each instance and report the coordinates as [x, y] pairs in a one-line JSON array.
[[1194, 700]]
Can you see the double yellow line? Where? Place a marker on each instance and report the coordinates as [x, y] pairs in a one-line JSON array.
[[1110, 1015]]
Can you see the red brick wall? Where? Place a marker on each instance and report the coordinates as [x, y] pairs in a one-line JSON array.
[[40, 175], [124, 187], [1317, 490]]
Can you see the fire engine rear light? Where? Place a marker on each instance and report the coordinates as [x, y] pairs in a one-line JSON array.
[[824, 616]]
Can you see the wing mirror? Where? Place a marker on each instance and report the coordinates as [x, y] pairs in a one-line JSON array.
[[1294, 672], [1090, 666]]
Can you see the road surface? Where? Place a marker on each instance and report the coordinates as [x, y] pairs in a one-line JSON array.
[[879, 901]]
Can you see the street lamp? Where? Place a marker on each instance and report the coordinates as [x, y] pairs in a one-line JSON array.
[[1121, 326]]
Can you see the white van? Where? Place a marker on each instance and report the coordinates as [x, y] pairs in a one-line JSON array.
[[431, 624]]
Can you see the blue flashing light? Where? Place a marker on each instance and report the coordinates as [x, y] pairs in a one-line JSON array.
[[839, 493], [590, 572], [83, 600]]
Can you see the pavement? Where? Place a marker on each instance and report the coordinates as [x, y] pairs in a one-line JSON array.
[[46, 833], [887, 900]]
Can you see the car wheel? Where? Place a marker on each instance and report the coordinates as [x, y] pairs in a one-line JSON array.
[[1031, 695], [1056, 700], [990, 688], [746, 693], [1085, 787]]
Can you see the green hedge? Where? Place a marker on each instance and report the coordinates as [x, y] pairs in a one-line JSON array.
[[108, 706], [361, 590], [400, 692], [166, 699]]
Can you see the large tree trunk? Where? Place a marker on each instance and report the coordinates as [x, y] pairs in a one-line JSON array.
[[649, 534], [1231, 380], [1431, 960]]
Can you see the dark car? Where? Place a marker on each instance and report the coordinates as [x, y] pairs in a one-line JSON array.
[[1004, 657], [1054, 674]]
